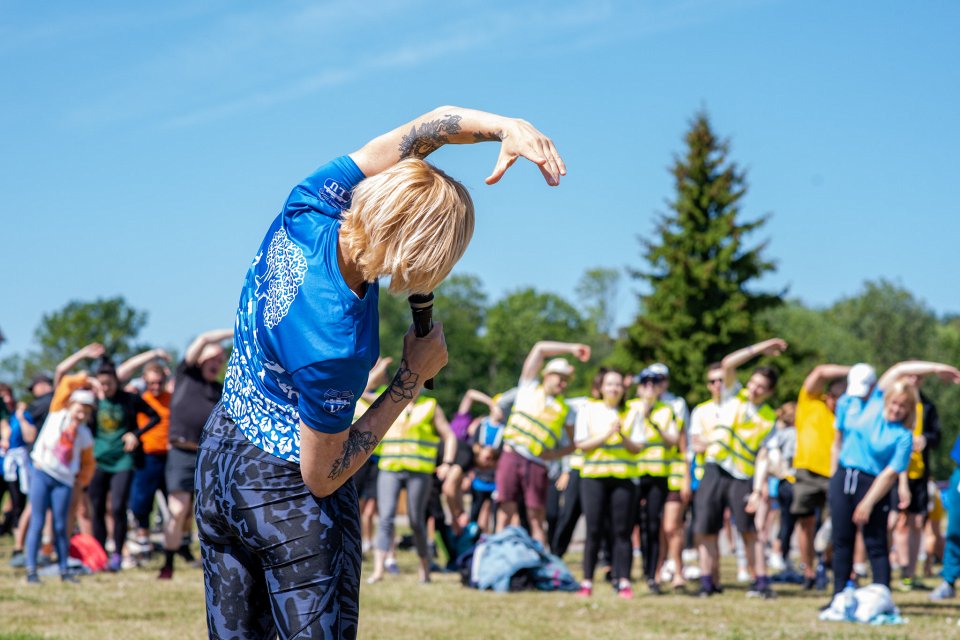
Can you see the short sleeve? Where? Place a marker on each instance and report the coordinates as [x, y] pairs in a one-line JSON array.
[[84, 438], [581, 431], [901, 455], [329, 392], [841, 413], [327, 191]]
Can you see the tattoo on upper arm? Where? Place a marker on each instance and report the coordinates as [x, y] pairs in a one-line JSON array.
[[356, 442], [495, 136], [429, 136], [402, 387]]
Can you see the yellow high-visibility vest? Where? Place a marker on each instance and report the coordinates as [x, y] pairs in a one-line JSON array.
[[412, 442], [916, 469], [699, 460], [536, 422], [656, 456], [741, 441], [611, 459]]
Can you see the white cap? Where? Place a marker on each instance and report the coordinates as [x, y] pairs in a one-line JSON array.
[[83, 396], [558, 365], [861, 379], [659, 369]]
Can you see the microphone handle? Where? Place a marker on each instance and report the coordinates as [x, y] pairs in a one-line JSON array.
[[421, 307]]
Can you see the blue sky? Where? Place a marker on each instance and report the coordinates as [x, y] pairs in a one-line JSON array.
[[146, 147]]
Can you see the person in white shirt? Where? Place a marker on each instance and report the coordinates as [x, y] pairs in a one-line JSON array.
[[57, 452]]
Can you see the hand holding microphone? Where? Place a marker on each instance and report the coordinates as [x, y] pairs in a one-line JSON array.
[[421, 307]]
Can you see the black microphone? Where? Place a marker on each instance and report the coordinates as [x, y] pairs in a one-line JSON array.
[[421, 306]]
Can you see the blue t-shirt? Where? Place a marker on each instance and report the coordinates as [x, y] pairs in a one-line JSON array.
[[871, 443], [16, 430], [303, 342]]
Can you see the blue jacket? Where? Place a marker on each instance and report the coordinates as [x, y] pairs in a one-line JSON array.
[[500, 556]]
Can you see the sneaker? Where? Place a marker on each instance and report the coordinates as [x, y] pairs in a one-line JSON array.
[[706, 592], [667, 571], [692, 573], [69, 578], [653, 587], [33, 578], [821, 577], [166, 573], [905, 585], [765, 593], [776, 564], [18, 560], [743, 576], [391, 567], [625, 592], [44, 560], [585, 591], [115, 563], [944, 591], [809, 583]]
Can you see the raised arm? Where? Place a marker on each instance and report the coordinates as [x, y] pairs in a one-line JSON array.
[[90, 352], [544, 349], [946, 372], [442, 425], [210, 337], [730, 364], [471, 396], [816, 381], [454, 125], [130, 366]]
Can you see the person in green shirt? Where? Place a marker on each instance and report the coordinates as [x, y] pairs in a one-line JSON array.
[[116, 437]]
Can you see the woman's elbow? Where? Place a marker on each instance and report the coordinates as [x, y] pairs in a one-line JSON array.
[[318, 484]]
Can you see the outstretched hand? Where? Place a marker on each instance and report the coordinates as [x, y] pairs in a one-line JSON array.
[[950, 374], [522, 139]]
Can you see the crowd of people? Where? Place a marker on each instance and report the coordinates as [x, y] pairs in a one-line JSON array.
[[295, 465], [94, 447], [101, 445]]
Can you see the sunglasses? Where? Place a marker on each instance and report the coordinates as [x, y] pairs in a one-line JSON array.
[[714, 381]]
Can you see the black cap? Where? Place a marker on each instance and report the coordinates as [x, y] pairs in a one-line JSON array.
[[40, 377]]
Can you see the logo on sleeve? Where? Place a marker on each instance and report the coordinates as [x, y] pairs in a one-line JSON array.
[[334, 194], [336, 401]]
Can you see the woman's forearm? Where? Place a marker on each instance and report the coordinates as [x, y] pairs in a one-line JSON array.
[[880, 486], [328, 461]]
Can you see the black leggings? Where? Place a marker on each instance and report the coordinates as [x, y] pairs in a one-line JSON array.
[[608, 502], [788, 521], [847, 489], [653, 489], [565, 508], [18, 500], [118, 486]]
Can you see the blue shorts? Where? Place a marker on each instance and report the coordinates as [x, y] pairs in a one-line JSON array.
[[277, 560]]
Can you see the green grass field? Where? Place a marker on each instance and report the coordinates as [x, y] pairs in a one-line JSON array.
[[134, 605]]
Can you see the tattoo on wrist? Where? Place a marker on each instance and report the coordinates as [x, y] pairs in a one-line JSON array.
[[429, 136], [492, 136], [402, 388], [357, 442]]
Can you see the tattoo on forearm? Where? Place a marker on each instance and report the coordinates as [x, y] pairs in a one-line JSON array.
[[429, 136], [357, 442], [494, 136], [402, 387]]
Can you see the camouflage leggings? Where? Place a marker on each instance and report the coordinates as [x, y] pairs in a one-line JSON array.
[[277, 560]]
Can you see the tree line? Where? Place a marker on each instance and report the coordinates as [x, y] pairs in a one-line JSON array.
[[698, 276]]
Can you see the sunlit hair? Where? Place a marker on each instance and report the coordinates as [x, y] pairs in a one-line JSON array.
[[155, 368], [904, 388], [411, 222]]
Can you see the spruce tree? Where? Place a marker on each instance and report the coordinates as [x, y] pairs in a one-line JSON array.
[[698, 304]]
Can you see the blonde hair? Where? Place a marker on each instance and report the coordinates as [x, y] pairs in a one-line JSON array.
[[411, 222], [903, 388]]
